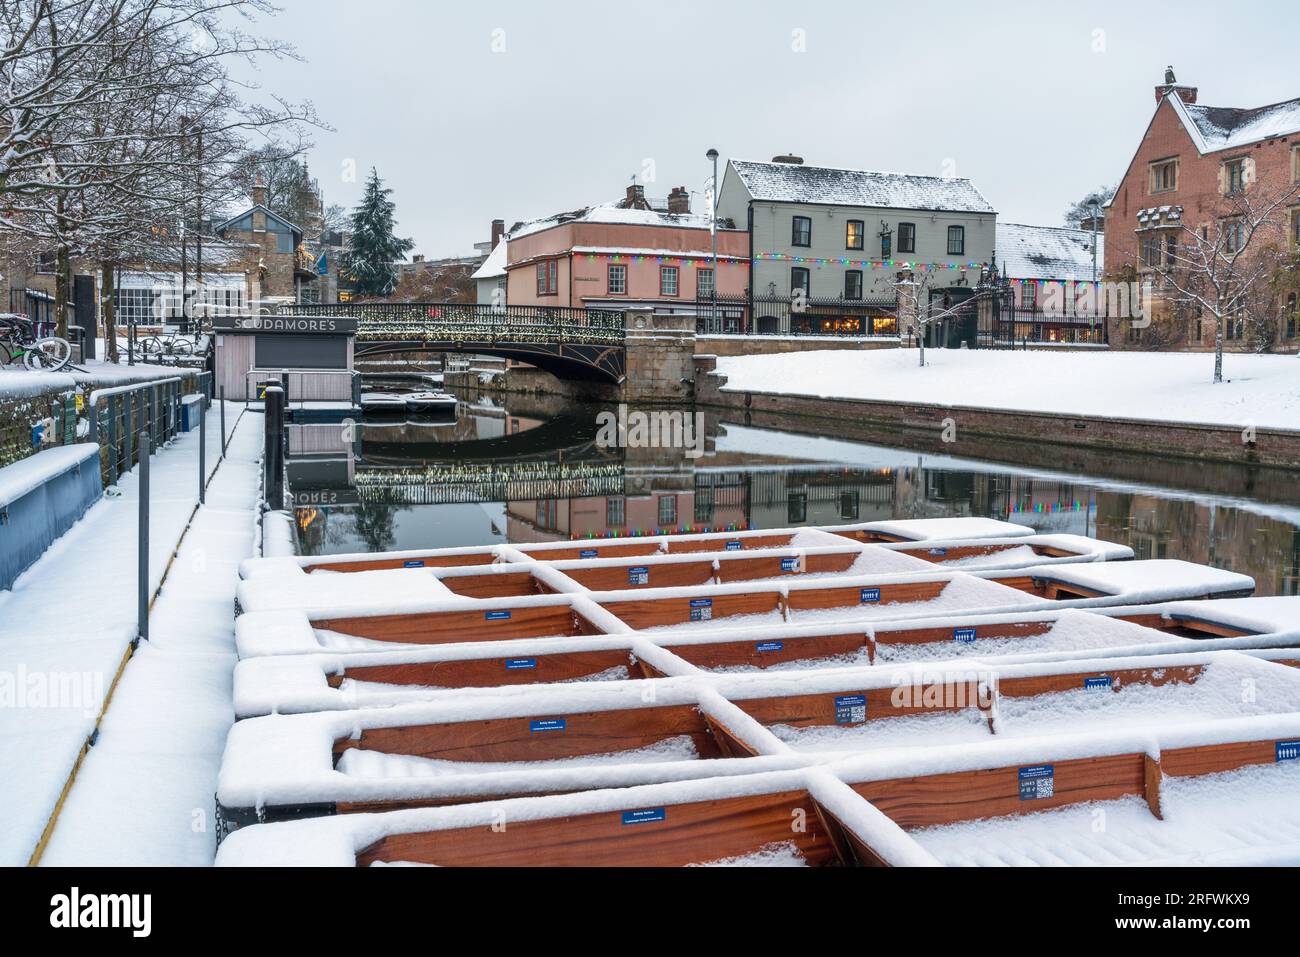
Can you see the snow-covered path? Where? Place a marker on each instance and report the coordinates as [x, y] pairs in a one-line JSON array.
[[1263, 391], [71, 618]]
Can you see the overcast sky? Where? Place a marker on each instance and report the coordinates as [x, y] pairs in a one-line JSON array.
[[520, 109]]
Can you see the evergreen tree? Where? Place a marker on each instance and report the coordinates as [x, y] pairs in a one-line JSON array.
[[373, 248]]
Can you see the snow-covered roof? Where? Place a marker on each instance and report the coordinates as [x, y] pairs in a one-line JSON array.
[[795, 183], [495, 265], [611, 213], [1216, 128], [1047, 252]]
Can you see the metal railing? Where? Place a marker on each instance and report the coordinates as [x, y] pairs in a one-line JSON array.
[[472, 322], [776, 316], [117, 416]]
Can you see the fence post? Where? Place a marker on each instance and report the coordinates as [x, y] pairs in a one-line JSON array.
[[142, 546], [222, 409], [273, 447], [203, 453]]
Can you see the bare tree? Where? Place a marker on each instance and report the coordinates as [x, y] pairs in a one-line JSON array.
[[920, 305], [121, 118], [1224, 269]]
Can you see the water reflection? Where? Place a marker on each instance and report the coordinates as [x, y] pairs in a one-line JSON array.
[[530, 470]]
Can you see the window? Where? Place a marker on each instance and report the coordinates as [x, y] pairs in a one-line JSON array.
[[907, 237], [1234, 176], [1151, 250], [1295, 227], [667, 280], [614, 513], [796, 508], [668, 511], [1164, 176], [546, 278], [853, 284], [799, 280], [1295, 164], [547, 513], [853, 234], [1233, 236], [801, 231], [704, 286], [1028, 293], [1171, 249], [849, 506], [136, 305], [956, 240], [617, 280], [886, 244]]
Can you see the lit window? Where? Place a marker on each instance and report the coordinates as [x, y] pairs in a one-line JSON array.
[[853, 234]]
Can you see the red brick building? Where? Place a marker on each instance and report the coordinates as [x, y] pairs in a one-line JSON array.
[[1190, 161]]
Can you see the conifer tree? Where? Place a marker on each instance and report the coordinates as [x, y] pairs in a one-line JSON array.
[[373, 247]]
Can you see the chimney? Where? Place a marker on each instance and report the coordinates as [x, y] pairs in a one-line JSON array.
[[679, 201], [1171, 85], [788, 158], [498, 230], [635, 198], [259, 192], [418, 258]]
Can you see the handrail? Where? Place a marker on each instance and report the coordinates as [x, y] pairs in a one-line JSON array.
[[98, 394]]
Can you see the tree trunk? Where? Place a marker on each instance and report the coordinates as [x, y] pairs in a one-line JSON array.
[[108, 309], [62, 269], [920, 341], [1218, 341]]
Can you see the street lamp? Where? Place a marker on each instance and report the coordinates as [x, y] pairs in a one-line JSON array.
[[712, 156]]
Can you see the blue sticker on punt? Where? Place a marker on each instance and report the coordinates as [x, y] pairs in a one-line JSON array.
[[701, 609], [495, 615], [639, 575], [589, 553], [701, 602], [938, 552], [1287, 750], [769, 646], [547, 724], [870, 595], [414, 563], [1037, 782], [850, 708], [964, 635], [734, 546], [519, 664], [645, 815], [789, 564], [1101, 681]]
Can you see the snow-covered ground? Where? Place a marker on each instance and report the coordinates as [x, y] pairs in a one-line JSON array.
[[1263, 391], [143, 790]]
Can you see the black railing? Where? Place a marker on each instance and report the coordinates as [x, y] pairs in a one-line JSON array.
[[472, 322]]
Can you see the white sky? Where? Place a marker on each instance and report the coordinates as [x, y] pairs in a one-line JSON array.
[[1037, 103]]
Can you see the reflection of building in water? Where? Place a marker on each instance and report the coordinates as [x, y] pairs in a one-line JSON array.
[[1264, 548]]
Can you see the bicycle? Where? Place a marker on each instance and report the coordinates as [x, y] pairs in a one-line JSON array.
[[173, 345], [18, 340]]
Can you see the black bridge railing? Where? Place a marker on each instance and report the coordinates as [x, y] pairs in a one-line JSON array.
[[472, 322]]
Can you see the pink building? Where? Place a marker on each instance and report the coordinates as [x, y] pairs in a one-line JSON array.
[[624, 254]]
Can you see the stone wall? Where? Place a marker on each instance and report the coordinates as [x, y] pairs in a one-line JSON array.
[[660, 357], [769, 345], [1276, 447]]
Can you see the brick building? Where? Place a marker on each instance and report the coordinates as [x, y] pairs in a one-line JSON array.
[[1189, 164], [277, 263]]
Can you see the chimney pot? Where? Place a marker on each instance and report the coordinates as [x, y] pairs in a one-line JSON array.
[[636, 197]]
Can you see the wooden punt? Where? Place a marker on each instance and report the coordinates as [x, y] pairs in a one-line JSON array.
[[855, 811], [710, 541]]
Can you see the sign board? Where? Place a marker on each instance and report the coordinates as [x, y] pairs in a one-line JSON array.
[[288, 325]]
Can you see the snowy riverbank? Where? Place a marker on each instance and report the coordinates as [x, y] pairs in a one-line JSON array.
[[1263, 391]]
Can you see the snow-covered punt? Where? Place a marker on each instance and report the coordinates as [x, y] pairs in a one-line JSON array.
[[462, 745], [1203, 792], [278, 583], [954, 529]]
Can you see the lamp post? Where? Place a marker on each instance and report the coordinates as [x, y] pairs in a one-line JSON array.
[[712, 156]]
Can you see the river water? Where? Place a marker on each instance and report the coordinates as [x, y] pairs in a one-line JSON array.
[[514, 468]]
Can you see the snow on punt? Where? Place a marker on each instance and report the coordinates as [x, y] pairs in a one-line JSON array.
[[1204, 792], [682, 699]]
